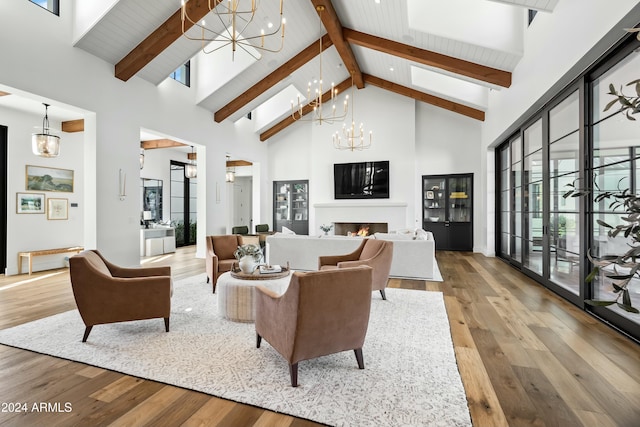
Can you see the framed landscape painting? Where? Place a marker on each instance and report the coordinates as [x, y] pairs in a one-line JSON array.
[[27, 203], [40, 178]]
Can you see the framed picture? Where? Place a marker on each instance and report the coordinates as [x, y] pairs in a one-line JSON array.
[[298, 216], [29, 203], [40, 178], [57, 208], [429, 194]]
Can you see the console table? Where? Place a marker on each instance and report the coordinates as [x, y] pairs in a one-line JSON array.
[[157, 241]]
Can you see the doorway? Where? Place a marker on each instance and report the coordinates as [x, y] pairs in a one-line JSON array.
[[184, 206], [3, 198]]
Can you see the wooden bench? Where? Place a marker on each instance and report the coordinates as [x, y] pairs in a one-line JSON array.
[[30, 254]]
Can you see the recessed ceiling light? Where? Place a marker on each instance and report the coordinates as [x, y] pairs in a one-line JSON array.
[[270, 25], [377, 1], [390, 68]]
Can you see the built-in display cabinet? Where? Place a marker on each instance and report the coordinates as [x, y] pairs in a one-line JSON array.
[[447, 210], [291, 206]]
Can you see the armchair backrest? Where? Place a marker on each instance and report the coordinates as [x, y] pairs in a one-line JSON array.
[[224, 246], [371, 248], [336, 302], [88, 260]]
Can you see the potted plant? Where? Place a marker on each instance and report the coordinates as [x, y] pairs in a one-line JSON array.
[[326, 228], [248, 257]]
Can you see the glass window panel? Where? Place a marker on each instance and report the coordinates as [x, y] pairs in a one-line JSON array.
[[615, 133], [504, 241], [533, 228], [533, 167], [533, 199], [516, 173], [504, 179], [517, 199], [611, 178], [516, 253], [504, 218], [517, 230], [565, 117], [603, 290], [505, 201], [533, 138], [533, 256], [559, 186], [516, 150], [624, 72], [505, 161], [177, 189], [564, 155]]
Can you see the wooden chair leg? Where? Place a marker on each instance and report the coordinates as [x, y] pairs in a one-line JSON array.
[[359, 358], [384, 296], [166, 324], [293, 370], [258, 340], [87, 331]]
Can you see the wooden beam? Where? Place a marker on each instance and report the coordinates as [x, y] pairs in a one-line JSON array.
[[234, 163], [433, 59], [273, 78], [305, 110], [73, 126], [4, 93], [333, 26], [426, 98], [160, 143], [168, 32]]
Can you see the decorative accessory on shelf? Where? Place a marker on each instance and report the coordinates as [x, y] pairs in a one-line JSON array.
[[45, 144], [317, 97], [351, 138], [326, 228], [234, 26], [191, 168], [141, 157]]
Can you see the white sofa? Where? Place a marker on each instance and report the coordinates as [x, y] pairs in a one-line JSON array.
[[411, 258]]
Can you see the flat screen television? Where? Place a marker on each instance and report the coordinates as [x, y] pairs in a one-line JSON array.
[[364, 180]]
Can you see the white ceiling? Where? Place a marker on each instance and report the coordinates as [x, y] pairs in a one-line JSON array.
[[123, 26]]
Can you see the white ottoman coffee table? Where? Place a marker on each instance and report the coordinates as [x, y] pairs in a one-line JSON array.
[[236, 300]]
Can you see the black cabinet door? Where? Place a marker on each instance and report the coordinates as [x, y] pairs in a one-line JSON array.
[[291, 206], [447, 210]]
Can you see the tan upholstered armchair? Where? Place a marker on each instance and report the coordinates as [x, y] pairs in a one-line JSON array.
[[220, 256], [321, 313], [107, 293], [375, 253]]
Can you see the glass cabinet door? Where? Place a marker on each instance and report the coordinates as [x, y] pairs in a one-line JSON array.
[[459, 201], [283, 198], [299, 202], [435, 203]]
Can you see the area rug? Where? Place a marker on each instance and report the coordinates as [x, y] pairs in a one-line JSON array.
[[410, 378]]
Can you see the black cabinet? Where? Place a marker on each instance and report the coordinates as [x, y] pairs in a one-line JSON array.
[[447, 210], [291, 206]]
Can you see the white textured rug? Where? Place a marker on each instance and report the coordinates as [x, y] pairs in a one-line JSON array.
[[410, 378]]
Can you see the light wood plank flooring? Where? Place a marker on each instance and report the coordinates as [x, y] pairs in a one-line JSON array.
[[526, 357]]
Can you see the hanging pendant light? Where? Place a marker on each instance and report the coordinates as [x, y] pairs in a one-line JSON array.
[[141, 158], [45, 144], [230, 176], [191, 168]]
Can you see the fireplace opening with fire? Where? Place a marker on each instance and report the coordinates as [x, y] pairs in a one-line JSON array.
[[359, 229]]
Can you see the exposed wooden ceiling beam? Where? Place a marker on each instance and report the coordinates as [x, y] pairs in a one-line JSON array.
[[160, 143], [305, 110], [333, 26], [168, 32], [4, 93], [438, 60], [421, 96], [73, 126], [273, 78], [234, 163]]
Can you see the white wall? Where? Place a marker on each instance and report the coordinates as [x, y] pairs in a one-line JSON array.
[[121, 108], [34, 231]]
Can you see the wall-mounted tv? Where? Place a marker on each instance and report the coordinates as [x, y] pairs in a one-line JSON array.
[[364, 180]]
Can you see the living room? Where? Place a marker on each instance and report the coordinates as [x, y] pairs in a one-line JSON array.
[[416, 138]]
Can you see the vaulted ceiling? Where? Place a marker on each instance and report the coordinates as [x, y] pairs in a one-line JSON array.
[[446, 53]]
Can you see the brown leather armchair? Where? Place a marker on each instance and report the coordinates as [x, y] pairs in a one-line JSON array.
[[107, 293], [375, 253], [321, 313], [220, 256]]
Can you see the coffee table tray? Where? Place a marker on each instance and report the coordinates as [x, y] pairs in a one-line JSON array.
[[256, 275]]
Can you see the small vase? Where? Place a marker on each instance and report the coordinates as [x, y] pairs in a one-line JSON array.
[[247, 264]]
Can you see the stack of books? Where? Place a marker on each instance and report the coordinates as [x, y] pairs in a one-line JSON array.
[[264, 269]]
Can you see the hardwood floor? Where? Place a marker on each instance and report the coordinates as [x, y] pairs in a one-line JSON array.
[[526, 357]]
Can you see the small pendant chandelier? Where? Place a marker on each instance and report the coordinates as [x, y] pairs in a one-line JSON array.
[[45, 144], [191, 168]]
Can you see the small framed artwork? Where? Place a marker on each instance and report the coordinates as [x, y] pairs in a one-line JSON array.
[[57, 208], [29, 203], [429, 194], [298, 216]]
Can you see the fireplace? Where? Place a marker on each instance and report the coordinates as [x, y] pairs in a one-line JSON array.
[[352, 228]]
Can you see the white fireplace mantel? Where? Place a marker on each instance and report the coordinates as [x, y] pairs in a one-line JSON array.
[[363, 211]]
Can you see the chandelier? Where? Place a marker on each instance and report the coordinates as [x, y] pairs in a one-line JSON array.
[[352, 138], [235, 17], [316, 96], [45, 144], [191, 168]]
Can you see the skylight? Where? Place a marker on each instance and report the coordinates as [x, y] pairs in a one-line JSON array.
[[276, 107], [450, 88]]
